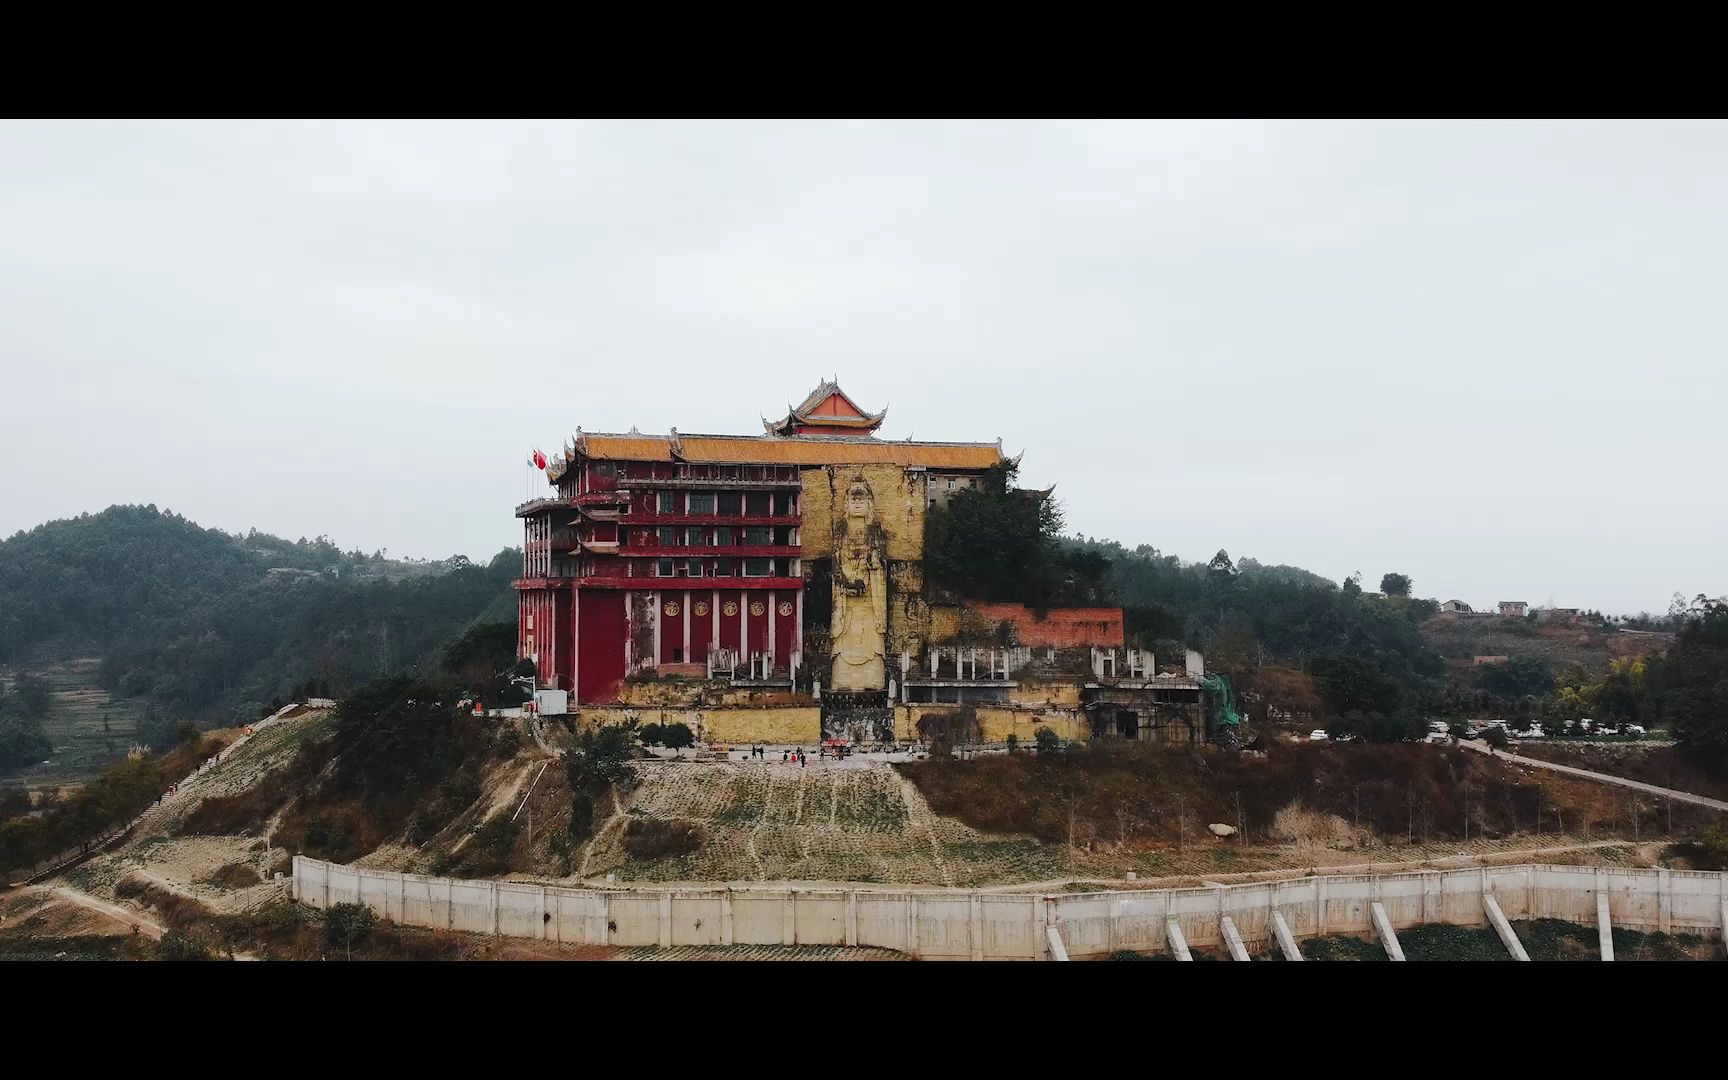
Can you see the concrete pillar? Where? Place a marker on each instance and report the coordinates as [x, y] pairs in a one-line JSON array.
[[911, 924], [789, 920], [726, 917], [666, 920], [1232, 939], [1178, 944], [1383, 927], [1057, 950], [540, 928], [976, 933], [606, 919], [1286, 941], [1664, 901], [1498, 919], [492, 905], [852, 918], [449, 903], [1604, 928], [1320, 907]]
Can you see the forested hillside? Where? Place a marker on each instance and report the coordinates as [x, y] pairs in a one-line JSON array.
[[206, 625]]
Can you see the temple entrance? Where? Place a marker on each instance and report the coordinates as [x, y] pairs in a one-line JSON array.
[[858, 716]]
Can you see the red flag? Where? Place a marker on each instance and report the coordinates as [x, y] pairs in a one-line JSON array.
[[539, 460]]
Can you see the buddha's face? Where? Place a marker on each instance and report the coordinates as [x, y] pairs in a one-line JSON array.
[[858, 501]]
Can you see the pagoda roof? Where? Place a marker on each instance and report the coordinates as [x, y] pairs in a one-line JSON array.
[[828, 409], [785, 450]]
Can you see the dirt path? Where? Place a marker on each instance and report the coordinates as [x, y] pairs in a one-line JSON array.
[[1606, 778], [149, 929], [1437, 862]]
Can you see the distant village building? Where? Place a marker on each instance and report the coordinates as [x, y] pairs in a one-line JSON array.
[[1514, 609], [1458, 607], [747, 583]]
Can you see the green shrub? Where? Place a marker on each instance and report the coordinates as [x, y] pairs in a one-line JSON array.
[[677, 736], [348, 925], [177, 946], [1496, 737], [1046, 741]]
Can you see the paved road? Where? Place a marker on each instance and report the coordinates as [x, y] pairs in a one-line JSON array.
[[1606, 778]]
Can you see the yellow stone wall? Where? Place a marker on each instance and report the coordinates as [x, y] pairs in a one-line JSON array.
[[997, 722], [703, 694], [1058, 692], [899, 500], [795, 725]]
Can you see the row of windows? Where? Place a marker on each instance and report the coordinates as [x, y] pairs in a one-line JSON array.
[[717, 567], [727, 503], [717, 536]]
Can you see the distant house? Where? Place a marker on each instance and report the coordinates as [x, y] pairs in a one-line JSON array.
[[1513, 609], [1558, 614], [1457, 607], [1478, 661]]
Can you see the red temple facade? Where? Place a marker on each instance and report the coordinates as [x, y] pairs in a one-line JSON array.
[[684, 553]]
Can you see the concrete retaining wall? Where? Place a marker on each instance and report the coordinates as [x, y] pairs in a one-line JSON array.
[[951, 925]]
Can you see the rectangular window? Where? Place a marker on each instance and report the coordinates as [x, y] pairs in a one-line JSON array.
[[695, 566], [731, 503], [756, 504], [668, 502], [723, 536], [667, 536], [758, 567], [701, 502], [693, 536], [783, 504], [663, 568], [722, 567], [758, 536]]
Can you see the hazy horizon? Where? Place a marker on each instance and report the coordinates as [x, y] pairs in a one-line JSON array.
[[1480, 354]]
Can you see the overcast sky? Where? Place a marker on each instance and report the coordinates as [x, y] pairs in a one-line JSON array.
[[1489, 356]]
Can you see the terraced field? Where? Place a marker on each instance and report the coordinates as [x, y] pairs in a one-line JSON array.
[[88, 729], [765, 822]]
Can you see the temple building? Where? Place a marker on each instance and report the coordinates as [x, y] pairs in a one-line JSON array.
[[684, 553], [771, 588]]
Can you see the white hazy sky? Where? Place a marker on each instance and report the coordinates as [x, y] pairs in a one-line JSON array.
[[1487, 355]]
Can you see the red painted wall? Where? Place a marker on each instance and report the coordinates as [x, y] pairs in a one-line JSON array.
[[756, 627], [671, 626], [602, 627], [701, 626], [729, 623], [785, 630]]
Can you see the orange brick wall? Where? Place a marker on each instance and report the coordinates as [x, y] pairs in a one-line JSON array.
[[1061, 628]]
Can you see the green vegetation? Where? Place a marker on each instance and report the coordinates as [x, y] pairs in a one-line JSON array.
[[347, 926], [1002, 543], [195, 622], [23, 740], [673, 736], [122, 792]]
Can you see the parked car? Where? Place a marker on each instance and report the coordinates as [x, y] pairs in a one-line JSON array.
[[1317, 735], [1636, 730], [1438, 737]]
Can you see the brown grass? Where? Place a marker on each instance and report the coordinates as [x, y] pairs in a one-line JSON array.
[[1151, 795]]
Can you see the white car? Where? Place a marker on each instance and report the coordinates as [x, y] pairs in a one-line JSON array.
[[1438, 737], [1318, 735], [1634, 729]]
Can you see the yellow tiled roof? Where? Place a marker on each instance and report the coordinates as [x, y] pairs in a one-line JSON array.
[[750, 449], [626, 447], [707, 448]]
